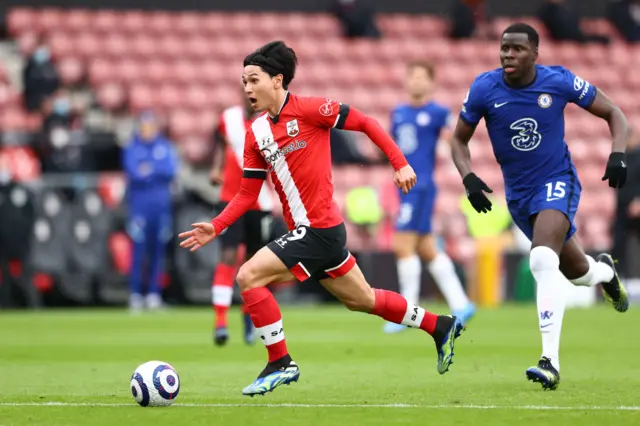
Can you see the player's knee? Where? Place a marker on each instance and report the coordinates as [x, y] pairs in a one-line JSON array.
[[248, 277], [427, 253], [543, 258], [362, 302]]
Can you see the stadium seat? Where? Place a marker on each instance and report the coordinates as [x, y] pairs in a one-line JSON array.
[[77, 20], [71, 70]]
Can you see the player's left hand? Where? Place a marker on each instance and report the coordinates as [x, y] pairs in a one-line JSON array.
[[201, 235], [405, 178], [616, 171]]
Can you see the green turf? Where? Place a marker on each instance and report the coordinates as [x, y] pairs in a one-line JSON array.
[[87, 357]]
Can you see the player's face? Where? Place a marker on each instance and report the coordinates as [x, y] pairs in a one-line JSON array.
[[259, 87], [517, 55], [419, 82]]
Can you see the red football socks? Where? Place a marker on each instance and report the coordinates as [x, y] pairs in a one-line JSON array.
[[266, 317], [393, 307]]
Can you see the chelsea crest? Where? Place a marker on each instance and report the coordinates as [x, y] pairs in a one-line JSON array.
[[544, 100]]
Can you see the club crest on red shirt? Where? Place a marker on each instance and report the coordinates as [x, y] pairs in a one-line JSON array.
[[292, 128]]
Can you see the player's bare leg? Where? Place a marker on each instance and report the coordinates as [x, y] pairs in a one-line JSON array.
[[222, 292], [444, 274], [409, 268], [356, 294], [262, 269], [581, 269]]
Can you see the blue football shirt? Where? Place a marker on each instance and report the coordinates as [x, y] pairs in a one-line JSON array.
[[526, 125], [416, 130]]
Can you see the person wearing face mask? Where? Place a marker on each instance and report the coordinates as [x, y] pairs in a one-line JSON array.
[[16, 223], [40, 78], [150, 164]]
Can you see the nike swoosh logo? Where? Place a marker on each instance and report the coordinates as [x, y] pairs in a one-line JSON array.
[[546, 325], [496, 105], [623, 165], [554, 199]]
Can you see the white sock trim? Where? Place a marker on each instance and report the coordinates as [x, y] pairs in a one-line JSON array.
[[272, 333], [414, 316], [221, 295]]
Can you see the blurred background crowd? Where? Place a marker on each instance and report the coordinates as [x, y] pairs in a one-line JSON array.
[[84, 92]]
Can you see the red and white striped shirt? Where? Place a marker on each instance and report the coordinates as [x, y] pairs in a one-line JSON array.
[[233, 126], [294, 147]]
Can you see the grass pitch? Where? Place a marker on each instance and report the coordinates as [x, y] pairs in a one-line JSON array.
[[73, 368]]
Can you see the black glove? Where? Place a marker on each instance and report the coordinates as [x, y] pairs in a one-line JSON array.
[[475, 187], [616, 170]]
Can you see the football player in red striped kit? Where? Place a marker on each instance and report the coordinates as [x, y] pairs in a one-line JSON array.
[[290, 140], [253, 229]]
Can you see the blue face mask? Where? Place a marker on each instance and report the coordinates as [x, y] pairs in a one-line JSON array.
[[41, 55], [61, 106]]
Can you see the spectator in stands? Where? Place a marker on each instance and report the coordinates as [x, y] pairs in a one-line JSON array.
[[40, 78], [150, 164], [357, 18], [17, 217], [563, 23], [627, 217], [64, 144], [625, 16], [468, 19]]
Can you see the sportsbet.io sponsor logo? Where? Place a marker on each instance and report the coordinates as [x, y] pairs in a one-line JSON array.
[[273, 157]]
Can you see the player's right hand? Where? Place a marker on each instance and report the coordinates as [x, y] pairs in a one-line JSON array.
[[405, 178], [201, 235], [475, 193]]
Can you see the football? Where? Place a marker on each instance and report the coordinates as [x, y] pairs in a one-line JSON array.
[[155, 384]]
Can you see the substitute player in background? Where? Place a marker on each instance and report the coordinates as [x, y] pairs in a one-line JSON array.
[[291, 140], [253, 229], [416, 127], [523, 106]]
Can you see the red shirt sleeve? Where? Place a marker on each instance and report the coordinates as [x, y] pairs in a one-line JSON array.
[[253, 176], [324, 112], [356, 120]]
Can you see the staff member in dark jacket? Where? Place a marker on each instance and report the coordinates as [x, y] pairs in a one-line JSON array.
[[150, 164], [627, 218], [16, 224]]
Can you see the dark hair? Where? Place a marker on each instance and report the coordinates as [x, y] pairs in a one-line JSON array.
[[425, 65], [527, 29], [275, 58]]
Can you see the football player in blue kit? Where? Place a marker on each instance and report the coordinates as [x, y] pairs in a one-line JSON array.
[[416, 127], [523, 107]]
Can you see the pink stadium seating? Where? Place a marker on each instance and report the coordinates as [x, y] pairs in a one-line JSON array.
[[188, 66]]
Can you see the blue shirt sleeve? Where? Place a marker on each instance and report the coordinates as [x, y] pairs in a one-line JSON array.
[[473, 106], [577, 90]]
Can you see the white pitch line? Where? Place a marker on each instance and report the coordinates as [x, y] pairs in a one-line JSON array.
[[285, 405]]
